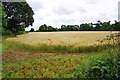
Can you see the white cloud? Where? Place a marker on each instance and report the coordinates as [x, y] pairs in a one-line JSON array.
[[58, 12]]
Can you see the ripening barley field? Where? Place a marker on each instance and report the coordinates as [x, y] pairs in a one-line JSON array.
[[80, 38]]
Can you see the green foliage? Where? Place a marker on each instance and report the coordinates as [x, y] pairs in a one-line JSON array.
[[19, 15], [32, 30], [86, 27], [4, 21], [104, 65], [69, 28], [45, 28], [5, 44], [116, 26], [7, 32], [21, 32], [41, 68], [106, 26], [99, 26]]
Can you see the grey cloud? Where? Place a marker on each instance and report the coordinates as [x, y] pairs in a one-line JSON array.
[[59, 12], [102, 14], [62, 11], [119, 11], [82, 10], [62, 20], [92, 2]]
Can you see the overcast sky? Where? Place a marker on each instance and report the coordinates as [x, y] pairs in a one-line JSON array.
[[74, 12]]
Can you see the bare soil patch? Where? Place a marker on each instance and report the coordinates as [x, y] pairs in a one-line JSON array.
[[15, 55]]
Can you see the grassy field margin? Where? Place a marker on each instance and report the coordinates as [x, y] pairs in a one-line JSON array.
[[53, 49], [103, 65]]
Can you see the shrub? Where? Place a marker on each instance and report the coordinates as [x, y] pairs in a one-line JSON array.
[[7, 33], [21, 32], [105, 65]]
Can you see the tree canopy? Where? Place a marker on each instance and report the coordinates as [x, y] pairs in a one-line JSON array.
[[19, 15], [2, 19], [99, 26], [45, 28], [32, 30]]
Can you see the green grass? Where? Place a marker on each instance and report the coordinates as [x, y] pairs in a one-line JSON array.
[[52, 49], [5, 45], [91, 66], [0, 48]]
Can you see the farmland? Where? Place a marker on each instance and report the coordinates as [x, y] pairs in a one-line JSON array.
[[60, 55], [80, 38], [58, 41]]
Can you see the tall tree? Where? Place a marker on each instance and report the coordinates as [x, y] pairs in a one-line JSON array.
[[43, 28], [117, 26], [63, 27], [32, 30], [86, 27], [19, 15], [98, 25]]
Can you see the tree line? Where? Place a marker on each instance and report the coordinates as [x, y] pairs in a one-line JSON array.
[[99, 26], [19, 15]]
